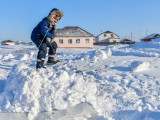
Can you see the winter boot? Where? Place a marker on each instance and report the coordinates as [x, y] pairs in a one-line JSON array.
[[40, 64], [52, 61]]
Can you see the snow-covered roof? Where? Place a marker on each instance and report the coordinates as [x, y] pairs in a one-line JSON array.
[[107, 32], [72, 32], [7, 41], [153, 35]]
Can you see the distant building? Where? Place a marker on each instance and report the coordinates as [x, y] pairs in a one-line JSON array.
[[7, 42], [73, 37], [23, 43], [19, 42], [127, 41], [107, 38], [150, 37], [30, 43]]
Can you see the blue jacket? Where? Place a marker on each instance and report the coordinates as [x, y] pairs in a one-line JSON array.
[[44, 28]]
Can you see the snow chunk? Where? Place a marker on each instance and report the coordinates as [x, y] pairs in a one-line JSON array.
[[109, 52], [102, 54], [7, 57], [138, 66], [25, 57], [0, 56]]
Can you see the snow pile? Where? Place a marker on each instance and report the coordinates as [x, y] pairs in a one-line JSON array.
[[8, 57], [155, 43], [26, 57], [28, 90], [96, 55], [141, 49], [138, 66]]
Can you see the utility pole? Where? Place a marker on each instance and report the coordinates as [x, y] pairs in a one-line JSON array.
[[131, 35], [146, 32]]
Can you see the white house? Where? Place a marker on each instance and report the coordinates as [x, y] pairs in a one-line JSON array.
[[19, 42], [7, 42], [107, 37]]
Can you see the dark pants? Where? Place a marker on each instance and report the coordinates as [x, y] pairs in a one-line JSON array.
[[43, 48]]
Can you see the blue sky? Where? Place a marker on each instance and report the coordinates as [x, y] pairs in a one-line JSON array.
[[123, 17]]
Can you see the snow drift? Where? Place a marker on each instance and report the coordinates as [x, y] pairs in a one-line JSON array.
[[95, 56], [120, 82], [138, 66]]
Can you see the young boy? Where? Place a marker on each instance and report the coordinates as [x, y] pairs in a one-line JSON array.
[[43, 35]]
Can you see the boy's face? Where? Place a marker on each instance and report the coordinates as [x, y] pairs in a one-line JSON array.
[[55, 17]]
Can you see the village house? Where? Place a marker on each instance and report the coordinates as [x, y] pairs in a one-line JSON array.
[[7, 42], [107, 38], [23, 43], [150, 37], [127, 41], [73, 37], [19, 42]]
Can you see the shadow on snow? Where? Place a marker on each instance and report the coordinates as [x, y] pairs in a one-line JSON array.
[[136, 115]]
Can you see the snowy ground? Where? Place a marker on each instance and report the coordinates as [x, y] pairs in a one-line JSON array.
[[120, 82]]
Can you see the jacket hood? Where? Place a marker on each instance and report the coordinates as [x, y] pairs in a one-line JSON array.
[[54, 9], [55, 16]]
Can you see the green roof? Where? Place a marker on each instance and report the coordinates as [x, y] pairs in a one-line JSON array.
[[156, 35]]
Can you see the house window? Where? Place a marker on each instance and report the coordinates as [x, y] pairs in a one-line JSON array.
[[112, 35], [114, 41], [105, 35], [70, 41], [60, 41], [87, 41], [77, 41]]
